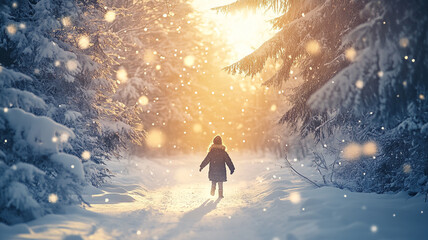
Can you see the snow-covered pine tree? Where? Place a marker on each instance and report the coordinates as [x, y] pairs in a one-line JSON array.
[[36, 176], [172, 70], [58, 43], [156, 36], [165, 57], [56, 84], [363, 71]]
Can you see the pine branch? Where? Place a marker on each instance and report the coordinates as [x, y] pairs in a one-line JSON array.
[[301, 175]]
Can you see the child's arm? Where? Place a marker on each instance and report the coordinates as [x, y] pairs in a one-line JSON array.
[[230, 164], [205, 162]]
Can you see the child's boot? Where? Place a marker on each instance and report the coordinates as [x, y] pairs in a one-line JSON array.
[[220, 193], [213, 189]]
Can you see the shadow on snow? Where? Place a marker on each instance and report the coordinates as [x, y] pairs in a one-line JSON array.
[[192, 217]]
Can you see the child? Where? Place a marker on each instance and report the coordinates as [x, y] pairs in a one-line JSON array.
[[217, 158]]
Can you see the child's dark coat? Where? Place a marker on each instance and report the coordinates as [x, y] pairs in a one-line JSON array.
[[217, 158]]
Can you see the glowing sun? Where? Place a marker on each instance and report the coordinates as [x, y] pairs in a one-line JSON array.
[[243, 31]]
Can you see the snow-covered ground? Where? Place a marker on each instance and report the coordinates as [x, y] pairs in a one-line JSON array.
[[169, 199]]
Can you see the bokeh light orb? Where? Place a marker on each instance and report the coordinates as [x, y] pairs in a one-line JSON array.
[[404, 42], [122, 75], [295, 197], [71, 65], [352, 151], [351, 54], [143, 100], [197, 128], [370, 148], [110, 16], [189, 61], [86, 155], [273, 108], [53, 198], [313, 47], [359, 84], [84, 42], [149, 56], [155, 138], [11, 29]]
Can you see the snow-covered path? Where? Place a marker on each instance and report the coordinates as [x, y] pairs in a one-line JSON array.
[[169, 199]]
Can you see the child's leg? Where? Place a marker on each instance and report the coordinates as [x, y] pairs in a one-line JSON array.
[[220, 189], [213, 188]]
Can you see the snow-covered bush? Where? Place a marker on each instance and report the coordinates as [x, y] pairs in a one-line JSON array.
[[36, 176]]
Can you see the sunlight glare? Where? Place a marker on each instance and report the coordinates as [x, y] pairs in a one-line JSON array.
[[244, 31]]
